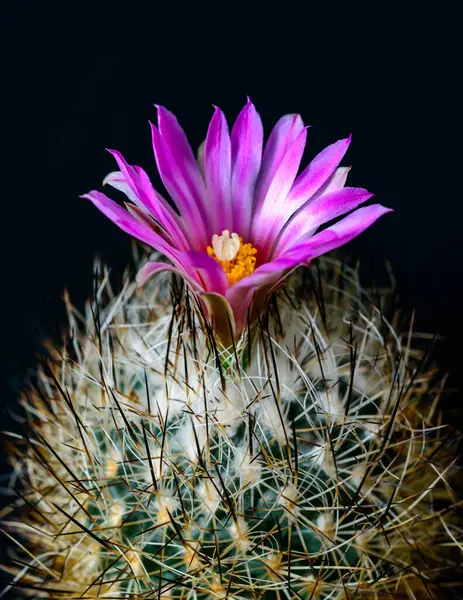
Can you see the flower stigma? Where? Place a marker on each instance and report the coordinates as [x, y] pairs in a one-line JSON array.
[[226, 246], [237, 259]]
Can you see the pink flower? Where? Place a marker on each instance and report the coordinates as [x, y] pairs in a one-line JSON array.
[[245, 218]]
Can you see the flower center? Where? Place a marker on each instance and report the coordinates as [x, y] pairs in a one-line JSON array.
[[237, 259]]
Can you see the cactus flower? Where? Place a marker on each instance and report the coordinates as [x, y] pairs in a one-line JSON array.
[[245, 218]]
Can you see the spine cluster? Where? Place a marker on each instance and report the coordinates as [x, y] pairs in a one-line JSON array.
[[307, 461]]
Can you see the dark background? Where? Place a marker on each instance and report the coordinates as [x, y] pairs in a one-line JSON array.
[[77, 79]]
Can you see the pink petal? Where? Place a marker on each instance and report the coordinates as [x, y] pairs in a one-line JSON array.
[[152, 268], [264, 229], [272, 273], [143, 217], [246, 147], [181, 188], [241, 294], [176, 139], [180, 148], [217, 170], [217, 307], [144, 196], [117, 180], [319, 211], [211, 273], [336, 181], [338, 234], [315, 175], [283, 135], [141, 190], [130, 224]]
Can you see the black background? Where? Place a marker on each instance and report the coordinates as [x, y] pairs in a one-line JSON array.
[[77, 79]]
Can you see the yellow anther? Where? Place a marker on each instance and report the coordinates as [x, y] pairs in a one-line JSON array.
[[238, 260]]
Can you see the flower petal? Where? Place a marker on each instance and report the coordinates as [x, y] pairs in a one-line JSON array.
[[176, 139], [283, 135], [130, 224], [221, 317], [246, 148], [272, 273], [117, 180], [217, 170], [338, 234], [336, 181], [151, 268], [243, 294], [180, 148], [144, 196], [315, 175], [264, 229], [316, 212], [211, 273], [181, 188], [142, 190], [142, 216], [217, 307]]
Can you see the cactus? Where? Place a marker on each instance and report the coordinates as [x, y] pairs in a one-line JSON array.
[[309, 460]]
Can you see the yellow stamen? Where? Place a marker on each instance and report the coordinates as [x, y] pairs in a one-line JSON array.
[[237, 259]]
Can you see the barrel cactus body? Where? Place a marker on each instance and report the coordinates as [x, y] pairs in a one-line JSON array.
[[306, 461]]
